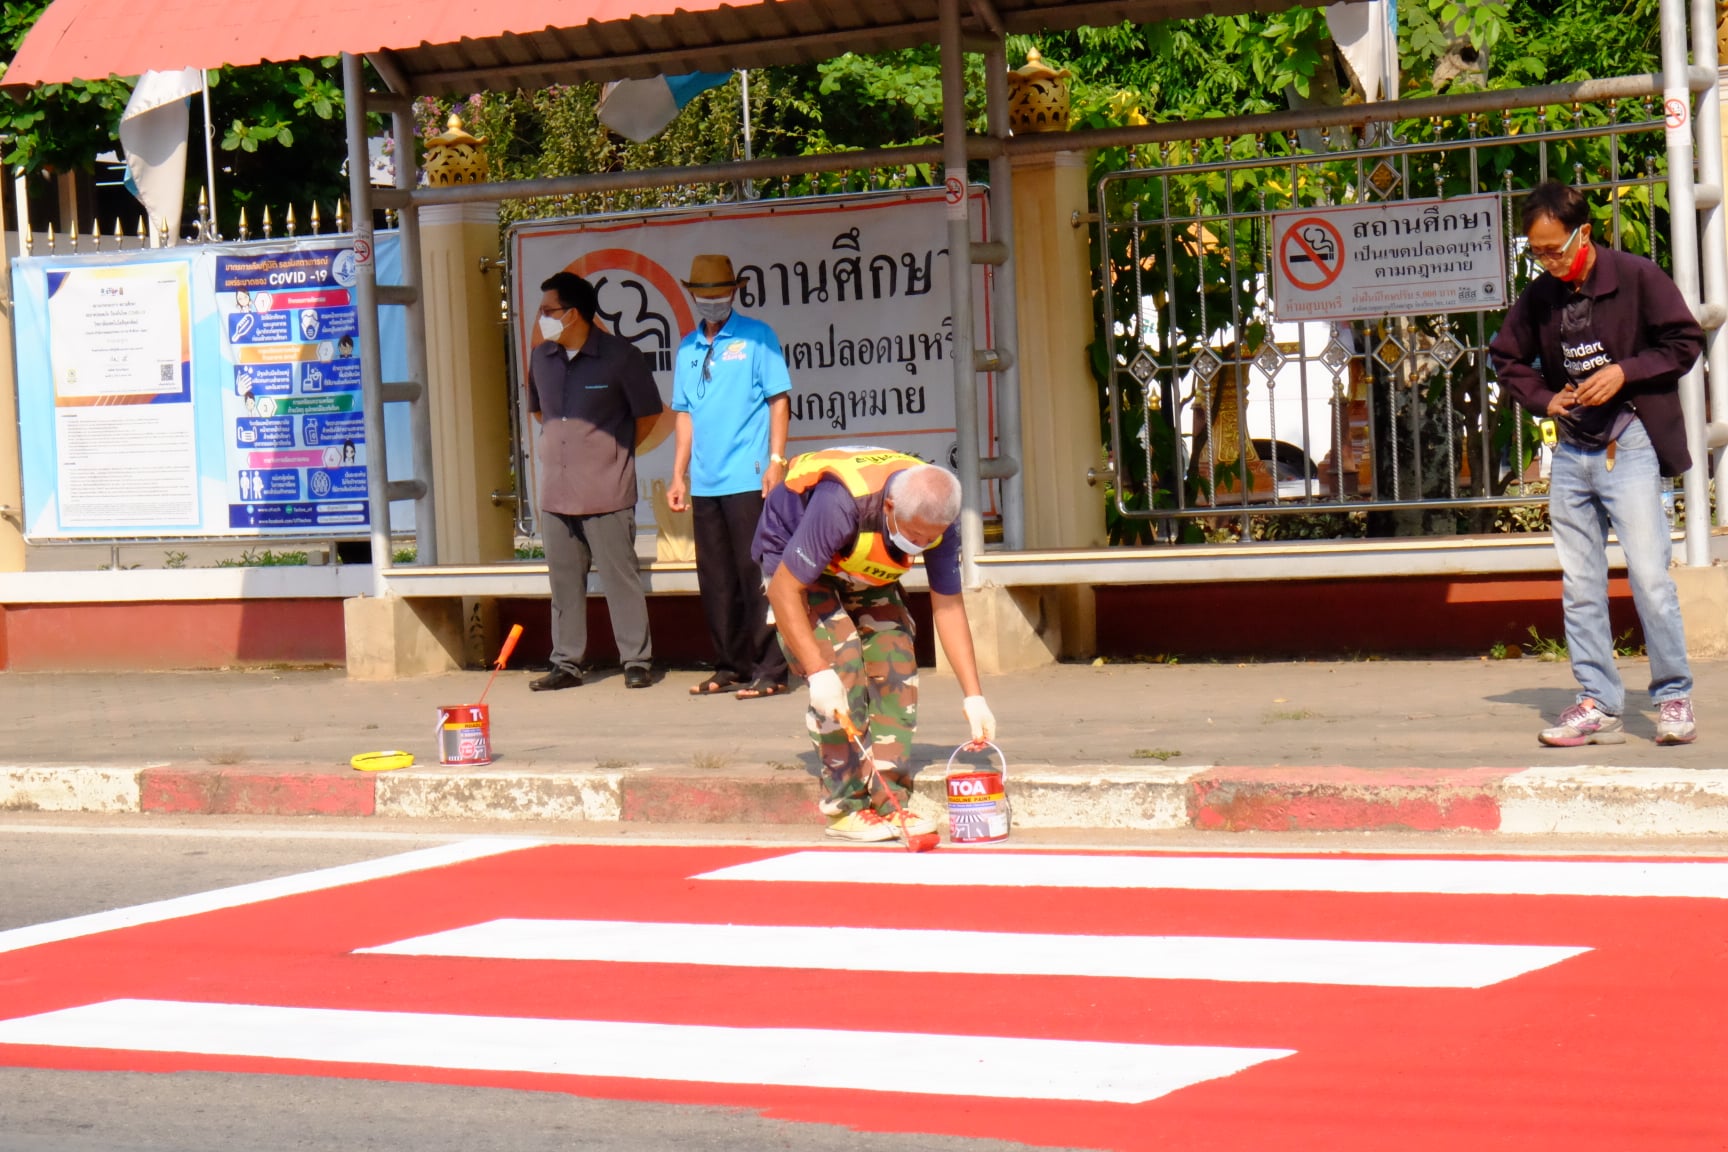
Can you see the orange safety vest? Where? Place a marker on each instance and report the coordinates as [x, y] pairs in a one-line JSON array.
[[865, 473]]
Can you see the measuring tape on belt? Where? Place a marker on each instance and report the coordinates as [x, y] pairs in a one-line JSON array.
[[382, 761]]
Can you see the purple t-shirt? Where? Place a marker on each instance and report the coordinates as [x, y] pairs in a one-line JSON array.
[[806, 532]]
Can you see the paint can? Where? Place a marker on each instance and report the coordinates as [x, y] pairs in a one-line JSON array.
[[977, 801], [464, 734]]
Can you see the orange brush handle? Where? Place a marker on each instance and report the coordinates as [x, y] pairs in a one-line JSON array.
[[509, 645]]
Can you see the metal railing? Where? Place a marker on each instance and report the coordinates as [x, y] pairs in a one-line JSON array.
[[1225, 422]]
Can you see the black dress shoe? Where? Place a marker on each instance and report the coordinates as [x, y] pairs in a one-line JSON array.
[[556, 679], [637, 676]]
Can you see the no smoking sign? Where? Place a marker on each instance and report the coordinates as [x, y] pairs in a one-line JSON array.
[[1311, 254]]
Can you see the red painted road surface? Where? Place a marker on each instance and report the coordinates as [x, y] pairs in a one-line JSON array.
[[1621, 1048]]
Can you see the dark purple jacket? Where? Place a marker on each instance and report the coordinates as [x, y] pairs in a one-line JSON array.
[[1644, 325]]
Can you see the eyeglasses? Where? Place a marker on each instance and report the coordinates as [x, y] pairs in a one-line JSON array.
[[1550, 255], [554, 311], [702, 383]]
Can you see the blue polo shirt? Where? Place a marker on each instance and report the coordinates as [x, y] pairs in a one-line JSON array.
[[728, 405]]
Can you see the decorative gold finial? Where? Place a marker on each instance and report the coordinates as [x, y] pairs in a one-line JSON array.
[[1037, 96], [341, 217], [315, 230], [96, 234], [266, 221], [245, 232], [50, 238], [455, 157], [74, 234], [290, 219]]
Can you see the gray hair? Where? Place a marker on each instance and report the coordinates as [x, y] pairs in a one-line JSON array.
[[927, 494]]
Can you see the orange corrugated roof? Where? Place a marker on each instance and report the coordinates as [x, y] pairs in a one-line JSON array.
[[440, 46], [89, 39]]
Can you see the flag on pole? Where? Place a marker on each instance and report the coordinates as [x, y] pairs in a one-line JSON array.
[[1367, 34], [639, 110], [153, 136]]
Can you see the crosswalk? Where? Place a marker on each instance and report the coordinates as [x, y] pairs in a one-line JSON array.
[[618, 997], [1233, 958]]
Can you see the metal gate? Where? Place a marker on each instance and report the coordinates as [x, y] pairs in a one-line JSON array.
[[1226, 424]]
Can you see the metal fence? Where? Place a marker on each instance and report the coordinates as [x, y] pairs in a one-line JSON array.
[[1226, 424]]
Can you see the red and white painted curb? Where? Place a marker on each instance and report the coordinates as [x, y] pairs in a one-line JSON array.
[[1550, 800]]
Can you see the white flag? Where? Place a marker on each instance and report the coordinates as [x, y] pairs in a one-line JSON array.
[[1367, 34], [153, 135], [641, 109]]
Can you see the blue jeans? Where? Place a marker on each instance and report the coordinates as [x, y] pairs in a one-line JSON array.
[[1584, 499]]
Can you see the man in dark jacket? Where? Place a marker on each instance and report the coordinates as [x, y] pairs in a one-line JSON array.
[[1598, 344]]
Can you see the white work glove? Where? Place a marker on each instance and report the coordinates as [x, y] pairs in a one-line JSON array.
[[978, 715], [827, 699]]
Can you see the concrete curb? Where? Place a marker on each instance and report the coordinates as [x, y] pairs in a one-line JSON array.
[[1553, 800]]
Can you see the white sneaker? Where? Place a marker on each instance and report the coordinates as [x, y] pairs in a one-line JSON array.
[[1675, 723], [862, 826], [916, 825]]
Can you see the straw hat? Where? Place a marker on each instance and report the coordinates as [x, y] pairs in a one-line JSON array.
[[711, 276]]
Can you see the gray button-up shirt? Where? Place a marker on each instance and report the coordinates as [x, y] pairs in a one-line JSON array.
[[590, 403]]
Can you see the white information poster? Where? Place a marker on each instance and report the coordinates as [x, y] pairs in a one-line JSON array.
[[855, 287], [120, 352], [1402, 258]]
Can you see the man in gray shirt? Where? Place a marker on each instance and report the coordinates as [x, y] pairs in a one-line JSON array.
[[595, 399]]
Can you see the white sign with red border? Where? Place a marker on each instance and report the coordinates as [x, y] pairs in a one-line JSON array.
[[1409, 257]]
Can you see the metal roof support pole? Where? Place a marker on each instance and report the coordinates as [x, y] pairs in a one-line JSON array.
[[1683, 240], [960, 287], [1714, 229], [366, 301], [408, 232], [1006, 312]]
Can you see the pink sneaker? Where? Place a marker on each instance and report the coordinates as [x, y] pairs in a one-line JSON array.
[[1583, 723], [1675, 723]]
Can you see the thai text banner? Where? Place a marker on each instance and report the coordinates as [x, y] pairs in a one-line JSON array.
[[855, 288], [1405, 258]]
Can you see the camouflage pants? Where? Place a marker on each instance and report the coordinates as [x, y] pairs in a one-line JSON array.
[[870, 631]]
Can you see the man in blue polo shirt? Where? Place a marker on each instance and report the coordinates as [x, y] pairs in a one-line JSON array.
[[730, 397]]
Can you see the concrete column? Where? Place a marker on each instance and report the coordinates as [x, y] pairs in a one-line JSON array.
[[1704, 610], [467, 384], [1060, 433], [11, 466], [389, 637]]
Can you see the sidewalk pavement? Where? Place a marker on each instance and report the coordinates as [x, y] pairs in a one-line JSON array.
[[1372, 745]]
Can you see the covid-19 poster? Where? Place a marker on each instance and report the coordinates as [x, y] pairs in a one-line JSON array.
[[198, 392]]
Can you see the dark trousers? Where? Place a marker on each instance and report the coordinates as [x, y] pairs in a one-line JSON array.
[[732, 596], [575, 545]]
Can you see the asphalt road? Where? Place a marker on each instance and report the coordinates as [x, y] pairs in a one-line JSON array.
[[55, 870]]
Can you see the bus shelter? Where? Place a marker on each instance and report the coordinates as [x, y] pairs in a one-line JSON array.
[[1046, 460]]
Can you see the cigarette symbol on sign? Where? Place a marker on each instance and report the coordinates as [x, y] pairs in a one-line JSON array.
[[1317, 246], [1311, 254]]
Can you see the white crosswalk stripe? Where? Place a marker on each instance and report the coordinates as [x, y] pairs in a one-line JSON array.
[[1241, 959], [992, 1066], [1706, 880]]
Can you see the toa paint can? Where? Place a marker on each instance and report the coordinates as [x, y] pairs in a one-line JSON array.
[[977, 801], [464, 734]]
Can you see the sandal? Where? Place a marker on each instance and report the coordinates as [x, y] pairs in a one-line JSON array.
[[717, 685], [761, 689]]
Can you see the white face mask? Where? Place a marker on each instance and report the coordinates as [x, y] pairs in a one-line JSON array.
[[902, 543], [551, 327], [714, 311]]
